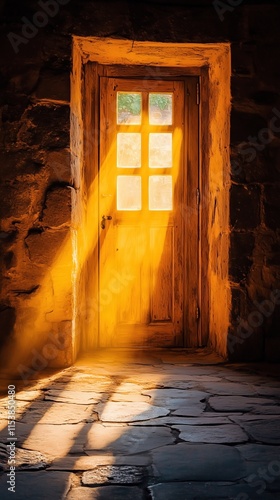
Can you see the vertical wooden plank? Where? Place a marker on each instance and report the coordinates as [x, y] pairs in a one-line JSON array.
[[204, 206], [145, 273], [129, 275], [90, 201], [179, 176], [162, 276], [191, 215], [107, 208]]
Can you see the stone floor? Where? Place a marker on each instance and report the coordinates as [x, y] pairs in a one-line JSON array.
[[162, 425]]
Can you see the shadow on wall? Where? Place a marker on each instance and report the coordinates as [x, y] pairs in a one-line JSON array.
[[38, 334], [7, 322]]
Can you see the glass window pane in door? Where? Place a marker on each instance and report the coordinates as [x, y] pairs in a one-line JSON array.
[[160, 108], [129, 108], [129, 192], [160, 150], [160, 192], [129, 150]]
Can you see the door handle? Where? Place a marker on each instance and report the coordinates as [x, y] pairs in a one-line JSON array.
[[103, 220]]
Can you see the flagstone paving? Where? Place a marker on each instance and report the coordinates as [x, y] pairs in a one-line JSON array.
[[159, 425], [227, 434]]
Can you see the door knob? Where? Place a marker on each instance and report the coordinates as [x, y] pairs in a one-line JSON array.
[[103, 220]]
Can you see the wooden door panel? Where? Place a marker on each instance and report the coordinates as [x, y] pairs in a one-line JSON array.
[[129, 257], [143, 186]]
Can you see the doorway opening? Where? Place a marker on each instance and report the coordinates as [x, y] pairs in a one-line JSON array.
[[150, 159]]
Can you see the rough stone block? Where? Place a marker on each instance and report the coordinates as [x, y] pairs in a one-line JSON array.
[[57, 52], [15, 163], [38, 484], [24, 460], [47, 126], [58, 165], [46, 412], [270, 277], [244, 206], [239, 299], [7, 321], [220, 434], [259, 453], [242, 60], [265, 97], [43, 247], [259, 166], [269, 74], [26, 80], [130, 412], [241, 251], [53, 85], [243, 404], [243, 347], [57, 209], [258, 29], [273, 161], [267, 248], [13, 112], [111, 474], [245, 125], [267, 432], [75, 397], [85, 463], [7, 238], [204, 491], [226, 388], [16, 199], [9, 134], [106, 493], [127, 441], [197, 462], [9, 260], [272, 206], [26, 280], [241, 87]]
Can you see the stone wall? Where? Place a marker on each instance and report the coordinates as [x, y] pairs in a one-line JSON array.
[[36, 185]]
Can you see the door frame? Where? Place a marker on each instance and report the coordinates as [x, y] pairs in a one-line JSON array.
[[192, 336], [211, 63]]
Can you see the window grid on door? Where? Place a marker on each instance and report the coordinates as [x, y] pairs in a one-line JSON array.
[[144, 149]]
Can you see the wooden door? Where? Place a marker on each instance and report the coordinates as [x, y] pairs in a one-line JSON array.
[[143, 226]]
